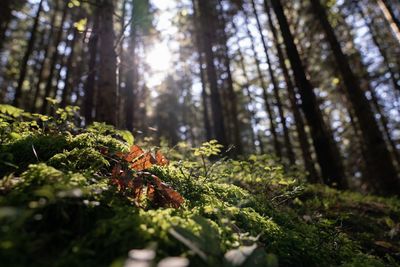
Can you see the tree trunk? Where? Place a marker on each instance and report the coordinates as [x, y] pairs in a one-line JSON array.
[[271, 116], [90, 85], [312, 175], [375, 39], [131, 79], [66, 94], [207, 22], [43, 62], [5, 18], [53, 62], [106, 106], [233, 110], [252, 112], [384, 123], [28, 52], [288, 144], [379, 161], [121, 65], [204, 95], [327, 152]]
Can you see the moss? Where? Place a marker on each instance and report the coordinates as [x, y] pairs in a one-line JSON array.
[[85, 160], [60, 209], [16, 156]]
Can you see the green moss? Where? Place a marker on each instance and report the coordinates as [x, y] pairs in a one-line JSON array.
[[16, 156], [58, 207], [85, 160]]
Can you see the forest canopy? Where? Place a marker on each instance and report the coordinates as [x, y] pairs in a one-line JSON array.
[[240, 118]]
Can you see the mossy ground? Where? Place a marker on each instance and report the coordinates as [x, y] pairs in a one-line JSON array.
[[58, 207]]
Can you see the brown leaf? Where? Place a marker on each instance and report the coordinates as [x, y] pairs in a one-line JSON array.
[[143, 163], [134, 153], [137, 188], [150, 191], [161, 159], [165, 196]]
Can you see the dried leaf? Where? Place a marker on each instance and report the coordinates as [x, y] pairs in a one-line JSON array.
[[161, 159], [150, 192], [137, 188], [143, 163], [134, 153], [165, 196], [159, 193]]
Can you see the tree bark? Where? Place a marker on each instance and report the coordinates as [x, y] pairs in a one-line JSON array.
[[5, 18], [379, 161], [277, 144], [207, 22], [131, 79], [328, 155], [53, 62], [252, 112], [90, 85], [312, 175], [106, 106], [28, 52], [375, 39], [288, 144], [66, 93], [121, 64], [43, 62], [233, 110], [204, 95]]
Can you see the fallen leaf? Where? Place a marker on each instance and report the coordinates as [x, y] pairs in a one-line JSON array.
[[144, 162], [161, 159]]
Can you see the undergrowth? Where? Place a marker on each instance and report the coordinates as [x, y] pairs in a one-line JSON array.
[[62, 203]]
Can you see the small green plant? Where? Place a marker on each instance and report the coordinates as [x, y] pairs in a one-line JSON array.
[[206, 150]]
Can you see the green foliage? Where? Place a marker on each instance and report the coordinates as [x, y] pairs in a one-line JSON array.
[[208, 149], [58, 206]]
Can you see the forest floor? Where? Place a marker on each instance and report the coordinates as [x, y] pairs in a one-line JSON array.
[[73, 196]]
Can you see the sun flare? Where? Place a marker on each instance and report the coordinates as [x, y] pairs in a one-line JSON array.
[[159, 58]]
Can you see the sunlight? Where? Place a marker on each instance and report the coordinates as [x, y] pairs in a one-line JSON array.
[[159, 59]]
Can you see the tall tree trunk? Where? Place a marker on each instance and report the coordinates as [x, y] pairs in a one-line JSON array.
[[379, 161], [77, 84], [121, 64], [384, 123], [5, 18], [204, 95], [288, 144], [90, 85], [131, 79], [25, 59], [207, 19], [298, 119], [375, 39], [106, 108], [43, 62], [53, 62], [66, 93], [253, 118], [233, 106], [271, 116], [327, 152]]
